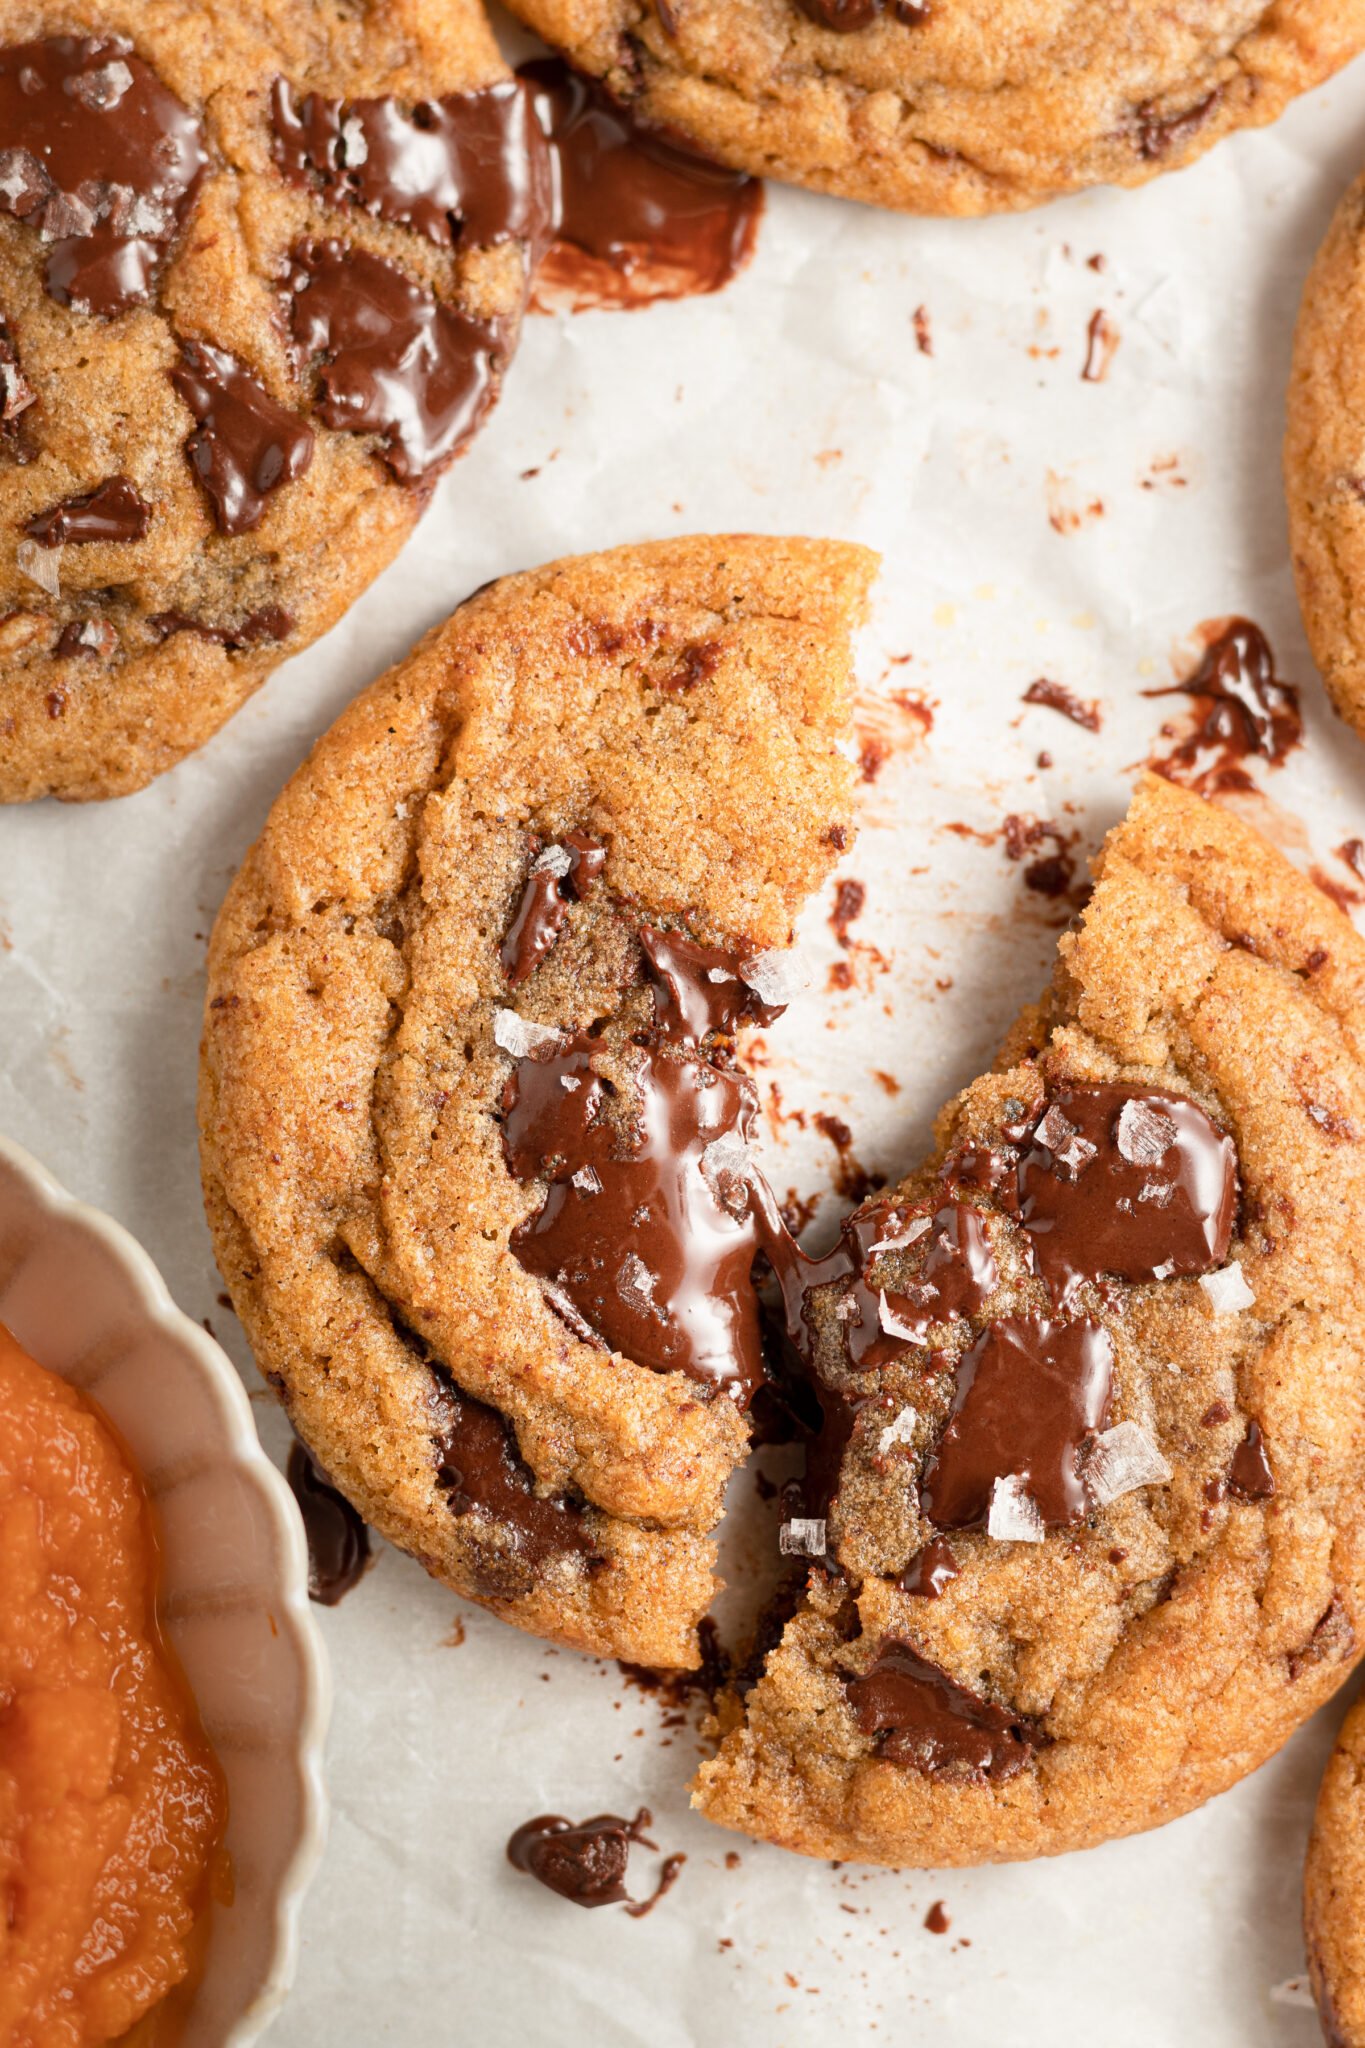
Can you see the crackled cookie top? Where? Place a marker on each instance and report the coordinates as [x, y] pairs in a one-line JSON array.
[[1086, 1482], [953, 106], [259, 281], [1334, 1890], [476, 1131], [1324, 458]]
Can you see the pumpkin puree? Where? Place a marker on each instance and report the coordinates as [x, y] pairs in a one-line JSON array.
[[112, 1805]]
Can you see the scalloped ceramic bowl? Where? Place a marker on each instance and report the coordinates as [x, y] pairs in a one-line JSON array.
[[87, 1302]]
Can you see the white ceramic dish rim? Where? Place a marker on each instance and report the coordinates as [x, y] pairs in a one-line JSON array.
[[292, 1608]]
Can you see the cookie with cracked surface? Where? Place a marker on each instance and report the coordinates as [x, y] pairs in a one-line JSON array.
[[260, 274], [1324, 457], [1334, 1890], [473, 1130], [1088, 1490], [953, 106]]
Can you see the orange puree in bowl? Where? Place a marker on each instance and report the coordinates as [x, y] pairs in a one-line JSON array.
[[111, 1802]]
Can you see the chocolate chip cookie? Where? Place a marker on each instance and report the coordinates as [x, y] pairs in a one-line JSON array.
[[953, 106], [1083, 1522], [1334, 1890], [260, 275], [475, 1137], [1324, 457]]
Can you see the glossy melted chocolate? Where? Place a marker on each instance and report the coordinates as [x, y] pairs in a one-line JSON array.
[[112, 511], [1029, 1396], [1249, 1474], [1240, 708], [392, 359], [563, 870], [471, 168], [338, 1540], [245, 447], [922, 1717], [1117, 1180], [584, 1862], [101, 160], [846, 17], [637, 216]]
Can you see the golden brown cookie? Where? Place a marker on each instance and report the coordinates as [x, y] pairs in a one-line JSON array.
[[473, 1130], [1086, 1507], [1324, 457], [260, 273], [953, 106], [1334, 1890]]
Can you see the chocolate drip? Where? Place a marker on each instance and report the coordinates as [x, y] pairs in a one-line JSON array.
[[637, 216], [700, 990], [1249, 1474], [1029, 1396], [482, 1474], [245, 446], [338, 1540], [270, 623], [1241, 709], [471, 168], [101, 159], [1136, 1183], [922, 1717], [586, 1862], [112, 511], [930, 1570], [394, 361], [563, 870], [846, 17]]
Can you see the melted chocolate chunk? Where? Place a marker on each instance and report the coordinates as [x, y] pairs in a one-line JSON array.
[[1057, 697], [482, 1474], [585, 1863], [1157, 134], [245, 446], [1249, 1474], [1241, 708], [1135, 1183], [112, 511], [638, 217], [95, 637], [394, 361], [930, 1570], [338, 1540], [846, 17], [270, 623], [539, 917], [101, 159], [700, 990], [643, 1240], [1030, 1395], [922, 1717], [471, 168], [957, 1275]]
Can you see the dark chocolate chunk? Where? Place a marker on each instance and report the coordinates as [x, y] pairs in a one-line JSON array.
[[1249, 1474], [473, 167], [93, 637], [846, 17], [1119, 1180], [586, 1862], [1057, 697], [481, 1472], [393, 360], [639, 217], [245, 446], [930, 1570], [101, 159], [922, 1717], [338, 1540], [538, 919], [1029, 1396], [112, 511], [270, 623]]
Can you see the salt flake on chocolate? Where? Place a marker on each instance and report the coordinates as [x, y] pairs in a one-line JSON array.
[[354, 148], [41, 565], [1120, 1461], [897, 1240], [892, 1323], [1227, 1290], [519, 1036], [102, 89], [636, 1284], [1014, 1516], [1075, 1156], [776, 976], [556, 861], [1055, 1131], [587, 1180], [800, 1538], [1144, 1134], [725, 1167]]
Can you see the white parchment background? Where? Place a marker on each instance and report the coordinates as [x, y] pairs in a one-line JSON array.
[[797, 400]]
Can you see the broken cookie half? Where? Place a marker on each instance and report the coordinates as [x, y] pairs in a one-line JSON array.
[[1084, 1515], [475, 1136]]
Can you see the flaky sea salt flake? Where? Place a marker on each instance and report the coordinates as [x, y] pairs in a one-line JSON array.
[[1014, 1516], [1227, 1290], [892, 1323], [1144, 1134], [587, 1180], [519, 1036], [1055, 1131], [776, 976], [897, 1240], [1120, 1461], [899, 1431], [802, 1538], [555, 860], [41, 565]]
